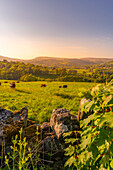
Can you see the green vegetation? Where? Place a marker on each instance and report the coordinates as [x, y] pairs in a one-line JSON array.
[[41, 101], [92, 147], [88, 148], [28, 72], [21, 156]]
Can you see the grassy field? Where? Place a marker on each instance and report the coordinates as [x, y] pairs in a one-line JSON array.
[[41, 101]]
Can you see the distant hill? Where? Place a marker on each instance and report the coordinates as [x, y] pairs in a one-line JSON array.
[[10, 59], [98, 60], [60, 62]]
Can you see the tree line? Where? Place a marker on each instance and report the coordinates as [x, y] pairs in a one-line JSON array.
[[30, 72]]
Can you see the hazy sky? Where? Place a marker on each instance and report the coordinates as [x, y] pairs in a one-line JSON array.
[[56, 28]]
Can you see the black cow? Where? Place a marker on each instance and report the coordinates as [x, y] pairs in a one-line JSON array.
[[64, 86]]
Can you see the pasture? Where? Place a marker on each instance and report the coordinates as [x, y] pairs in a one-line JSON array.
[[41, 101]]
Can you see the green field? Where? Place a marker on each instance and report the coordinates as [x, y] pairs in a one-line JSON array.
[[41, 101]]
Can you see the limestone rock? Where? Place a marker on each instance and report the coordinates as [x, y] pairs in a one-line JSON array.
[[62, 121]]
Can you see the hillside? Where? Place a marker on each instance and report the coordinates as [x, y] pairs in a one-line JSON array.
[[66, 62], [9, 59], [60, 62]]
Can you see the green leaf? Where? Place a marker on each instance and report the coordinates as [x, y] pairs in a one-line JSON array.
[[86, 121], [67, 134], [85, 132], [89, 155], [83, 107], [71, 140], [85, 142], [108, 118], [70, 150], [90, 106], [70, 161], [109, 100]]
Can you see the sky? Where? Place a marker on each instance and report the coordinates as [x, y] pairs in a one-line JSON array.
[[56, 28]]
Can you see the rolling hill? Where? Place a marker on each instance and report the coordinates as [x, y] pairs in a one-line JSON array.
[[60, 62]]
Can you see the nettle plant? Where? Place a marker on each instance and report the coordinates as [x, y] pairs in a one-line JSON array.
[[93, 149]]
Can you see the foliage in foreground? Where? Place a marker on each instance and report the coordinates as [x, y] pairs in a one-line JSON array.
[[93, 149], [22, 156]]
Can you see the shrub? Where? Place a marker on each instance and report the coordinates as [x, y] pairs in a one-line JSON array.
[[94, 147]]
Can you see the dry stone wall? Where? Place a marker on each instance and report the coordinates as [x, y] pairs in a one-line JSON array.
[[51, 133]]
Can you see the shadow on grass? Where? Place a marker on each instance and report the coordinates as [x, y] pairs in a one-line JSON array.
[[65, 96], [22, 91]]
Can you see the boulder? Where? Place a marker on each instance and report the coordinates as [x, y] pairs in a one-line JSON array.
[[62, 121]]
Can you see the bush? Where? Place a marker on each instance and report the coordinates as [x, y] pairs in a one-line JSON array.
[[94, 147]]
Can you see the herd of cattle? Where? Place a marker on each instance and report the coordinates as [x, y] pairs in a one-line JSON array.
[[44, 85], [13, 85]]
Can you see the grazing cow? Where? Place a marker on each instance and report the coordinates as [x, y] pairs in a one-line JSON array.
[[64, 86], [60, 86], [5, 82], [17, 81], [12, 85], [43, 85], [0, 83]]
